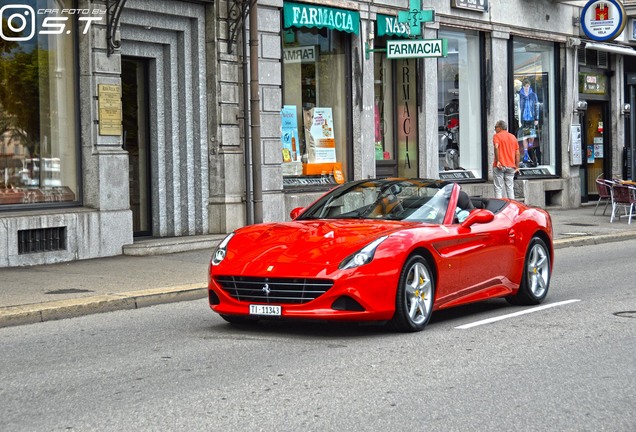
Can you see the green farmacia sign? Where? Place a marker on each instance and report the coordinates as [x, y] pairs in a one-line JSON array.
[[390, 26], [306, 15]]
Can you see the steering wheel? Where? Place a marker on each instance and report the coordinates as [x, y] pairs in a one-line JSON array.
[[397, 209]]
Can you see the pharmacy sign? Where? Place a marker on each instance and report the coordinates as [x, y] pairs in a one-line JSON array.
[[414, 48]]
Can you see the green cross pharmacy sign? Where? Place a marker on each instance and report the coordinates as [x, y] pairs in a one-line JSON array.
[[415, 46], [416, 16]]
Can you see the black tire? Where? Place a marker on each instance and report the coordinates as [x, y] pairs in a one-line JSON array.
[[414, 297], [535, 280]]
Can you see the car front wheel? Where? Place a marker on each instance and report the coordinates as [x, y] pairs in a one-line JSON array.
[[536, 275], [415, 294]]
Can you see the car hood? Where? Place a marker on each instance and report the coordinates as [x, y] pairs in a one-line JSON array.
[[305, 242]]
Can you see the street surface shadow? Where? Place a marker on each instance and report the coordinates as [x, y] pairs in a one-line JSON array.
[[303, 328], [336, 330], [470, 311]]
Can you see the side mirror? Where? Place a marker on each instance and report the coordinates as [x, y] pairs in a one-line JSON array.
[[477, 216], [296, 212]]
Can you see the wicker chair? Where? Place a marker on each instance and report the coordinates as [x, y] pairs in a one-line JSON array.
[[623, 196], [604, 188]]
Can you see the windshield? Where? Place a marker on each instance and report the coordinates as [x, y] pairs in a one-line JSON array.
[[412, 200]]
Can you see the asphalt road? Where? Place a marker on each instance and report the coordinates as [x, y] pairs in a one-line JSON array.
[[569, 367]]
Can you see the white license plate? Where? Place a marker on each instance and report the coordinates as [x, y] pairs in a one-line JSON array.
[[265, 310]]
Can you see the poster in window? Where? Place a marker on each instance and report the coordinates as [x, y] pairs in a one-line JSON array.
[[289, 134], [592, 83], [598, 147], [319, 132], [577, 158], [590, 154]]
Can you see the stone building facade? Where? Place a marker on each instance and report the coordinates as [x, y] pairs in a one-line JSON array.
[[143, 132]]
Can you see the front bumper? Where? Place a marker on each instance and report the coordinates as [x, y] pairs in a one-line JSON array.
[[352, 297]]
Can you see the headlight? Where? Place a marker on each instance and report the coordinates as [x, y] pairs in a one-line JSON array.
[[221, 250], [363, 256]]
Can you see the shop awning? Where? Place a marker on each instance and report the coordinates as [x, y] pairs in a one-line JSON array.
[[614, 49], [309, 15]]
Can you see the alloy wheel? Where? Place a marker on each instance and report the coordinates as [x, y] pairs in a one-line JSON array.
[[418, 293], [538, 270]]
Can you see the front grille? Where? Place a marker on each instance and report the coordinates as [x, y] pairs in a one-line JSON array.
[[273, 290]]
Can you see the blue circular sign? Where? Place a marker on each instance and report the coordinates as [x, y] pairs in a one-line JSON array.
[[603, 20]]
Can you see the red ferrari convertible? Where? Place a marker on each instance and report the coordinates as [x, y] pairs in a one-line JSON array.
[[390, 250]]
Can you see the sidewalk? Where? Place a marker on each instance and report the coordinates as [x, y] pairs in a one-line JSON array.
[[155, 272]]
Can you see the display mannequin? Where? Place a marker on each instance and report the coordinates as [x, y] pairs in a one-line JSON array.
[[529, 115]]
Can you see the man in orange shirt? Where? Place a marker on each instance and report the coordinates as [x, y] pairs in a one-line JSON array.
[[506, 162]]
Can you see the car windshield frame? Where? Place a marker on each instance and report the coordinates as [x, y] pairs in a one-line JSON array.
[[412, 200]]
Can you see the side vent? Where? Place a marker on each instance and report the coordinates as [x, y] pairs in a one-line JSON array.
[[602, 59], [41, 240], [581, 54], [592, 57]]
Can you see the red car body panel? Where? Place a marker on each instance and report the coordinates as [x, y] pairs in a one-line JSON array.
[[471, 263]]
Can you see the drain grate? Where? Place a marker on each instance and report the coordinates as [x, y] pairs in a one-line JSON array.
[[41, 240], [581, 224]]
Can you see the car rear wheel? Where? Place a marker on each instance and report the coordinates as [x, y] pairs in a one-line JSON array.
[[536, 275], [414, 298]]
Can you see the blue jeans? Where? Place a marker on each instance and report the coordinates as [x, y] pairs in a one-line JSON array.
[[504, 177]]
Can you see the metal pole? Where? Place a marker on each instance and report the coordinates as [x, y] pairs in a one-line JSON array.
[[249, 209], [631, 154], [255, 102]]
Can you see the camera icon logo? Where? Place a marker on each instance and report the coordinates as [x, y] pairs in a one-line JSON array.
[[20, 22]]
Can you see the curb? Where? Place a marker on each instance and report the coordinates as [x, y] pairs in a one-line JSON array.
[[594, 239], [163, 246], [55, 310]]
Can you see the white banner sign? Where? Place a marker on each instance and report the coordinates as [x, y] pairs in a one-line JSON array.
[[396, 49]]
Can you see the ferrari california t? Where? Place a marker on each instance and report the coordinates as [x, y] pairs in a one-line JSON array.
[[391, 250]]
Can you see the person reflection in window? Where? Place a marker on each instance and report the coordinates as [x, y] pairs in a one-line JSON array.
[[529, 111], [517, 124]]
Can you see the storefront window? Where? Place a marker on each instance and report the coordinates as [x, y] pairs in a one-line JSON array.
[[407, 117], [315, 70], [383, 108], [533, 106], [459, 92], [38, 151], [395, 113], [395, 104]]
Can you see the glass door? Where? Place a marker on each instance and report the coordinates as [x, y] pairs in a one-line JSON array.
[[595, 148], [136, 142]]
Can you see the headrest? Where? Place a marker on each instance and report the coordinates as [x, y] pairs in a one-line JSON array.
[[463, 201]]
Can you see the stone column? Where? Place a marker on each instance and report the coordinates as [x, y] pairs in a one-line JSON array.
[[226, 206], [104, 162], [497, 82], [427, 112], [363, 106]]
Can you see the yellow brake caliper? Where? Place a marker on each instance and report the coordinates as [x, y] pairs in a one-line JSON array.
[[419, 293]]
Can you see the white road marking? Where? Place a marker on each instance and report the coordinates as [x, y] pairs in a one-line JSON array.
[[512, 315]]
